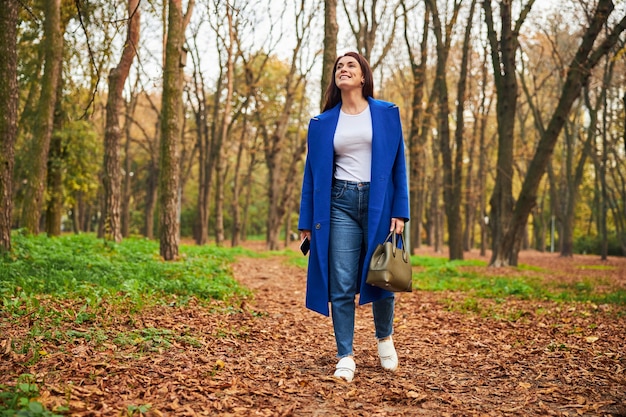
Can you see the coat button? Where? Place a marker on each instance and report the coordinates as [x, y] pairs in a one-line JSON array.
[[318, 226]]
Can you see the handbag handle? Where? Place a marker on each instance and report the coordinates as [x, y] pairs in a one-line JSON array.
[[393, 237]]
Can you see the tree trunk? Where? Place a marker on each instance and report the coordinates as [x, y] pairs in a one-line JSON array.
[[248, 188], [171, 130], [111, 177], [471, 197], [574, 182], [481, 117], [430, 185], [75, 214], [281, 192], [276, 181], [54, 206], [235, 206], [624, 125], [238, 220], [604, 191], [577, 75], [8, 117], [127, 196], [416, 140], [54, 209], [152, 187], [603, 201], [201, 224], [223, 133], [331, 29], [503, 54], [205, 162], [456, 199], [435, 206], [43, 122], [57, 159], [617, 197], [452, 159], [555, 202], [539, 226], [538, 212]]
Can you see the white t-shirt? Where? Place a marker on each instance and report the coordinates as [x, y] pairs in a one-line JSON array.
[[353, 146]]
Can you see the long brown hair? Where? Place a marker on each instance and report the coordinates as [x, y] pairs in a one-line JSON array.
[[333, 93]]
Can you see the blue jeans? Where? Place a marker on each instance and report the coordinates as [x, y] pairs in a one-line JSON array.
[[348, 244]]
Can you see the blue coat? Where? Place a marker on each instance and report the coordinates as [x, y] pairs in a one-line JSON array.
[[389, 196]]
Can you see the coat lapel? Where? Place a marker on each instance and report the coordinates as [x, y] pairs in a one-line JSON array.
[[383, 156], [325, 126]]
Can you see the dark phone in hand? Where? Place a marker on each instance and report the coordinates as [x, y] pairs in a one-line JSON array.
[[305, 245]]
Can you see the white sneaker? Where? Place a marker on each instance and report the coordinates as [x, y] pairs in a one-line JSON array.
[[345, 369], [387, 354]]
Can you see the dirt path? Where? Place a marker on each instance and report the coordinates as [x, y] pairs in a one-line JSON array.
[[272, 357], [548, 362]]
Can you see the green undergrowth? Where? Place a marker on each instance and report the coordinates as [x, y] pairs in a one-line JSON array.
[[20, 400], [441, 274], [84, 267]]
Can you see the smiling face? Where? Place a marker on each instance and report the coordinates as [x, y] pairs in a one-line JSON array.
[[348, 74], [351, 74]]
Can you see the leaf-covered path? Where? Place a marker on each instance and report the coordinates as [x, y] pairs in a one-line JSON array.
[[552, 360], [272, 357]]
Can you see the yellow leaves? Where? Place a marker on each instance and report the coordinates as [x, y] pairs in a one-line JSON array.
[[352, 393], [219, 364], [591, 339], [413, 395], [5, 346]]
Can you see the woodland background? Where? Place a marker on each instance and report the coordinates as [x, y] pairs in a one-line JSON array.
[[176, 120]]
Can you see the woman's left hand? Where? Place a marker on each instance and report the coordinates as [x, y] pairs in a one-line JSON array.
[[397, 225]]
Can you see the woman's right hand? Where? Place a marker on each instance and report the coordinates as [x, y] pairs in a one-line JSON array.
[[305, 233]]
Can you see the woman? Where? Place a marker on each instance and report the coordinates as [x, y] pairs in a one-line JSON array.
[[354, 192]]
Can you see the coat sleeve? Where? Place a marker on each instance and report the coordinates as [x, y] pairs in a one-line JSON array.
[[400, 208], [305, 220]]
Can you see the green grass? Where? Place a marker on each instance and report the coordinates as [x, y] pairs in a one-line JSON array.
[[83, 281], [441, 274], [296, 258], [82, 266], [19, 400]]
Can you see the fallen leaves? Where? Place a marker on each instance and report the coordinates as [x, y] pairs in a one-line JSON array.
[[275, 358]]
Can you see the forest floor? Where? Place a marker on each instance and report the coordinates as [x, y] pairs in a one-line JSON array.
[[273, 357]]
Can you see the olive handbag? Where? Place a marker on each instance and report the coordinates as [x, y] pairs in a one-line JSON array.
[[390, 266]]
